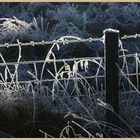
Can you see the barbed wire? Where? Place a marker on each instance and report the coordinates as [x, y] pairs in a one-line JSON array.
[[62, 40], [65, 40], [125, 37]]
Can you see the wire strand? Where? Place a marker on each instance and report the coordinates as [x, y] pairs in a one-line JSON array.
[[135, 36], [67, 60], [62, 79], [62, 40]]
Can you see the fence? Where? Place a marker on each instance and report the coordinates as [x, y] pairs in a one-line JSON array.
[[113, 72]]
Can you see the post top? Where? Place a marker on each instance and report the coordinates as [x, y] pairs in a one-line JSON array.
[[109, 30]]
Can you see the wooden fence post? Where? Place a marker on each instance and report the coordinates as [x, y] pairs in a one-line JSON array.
[[111, 73]]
